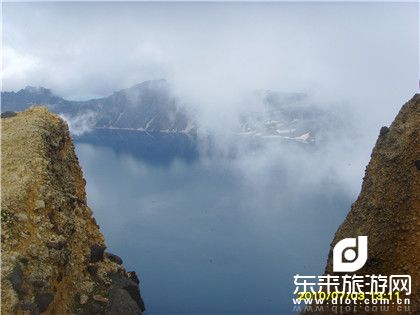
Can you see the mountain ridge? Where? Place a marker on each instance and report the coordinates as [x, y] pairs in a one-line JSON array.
[[147, 106], [151, 106]]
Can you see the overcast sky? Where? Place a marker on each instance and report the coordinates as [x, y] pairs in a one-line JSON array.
[[362, 55], [357, 60]]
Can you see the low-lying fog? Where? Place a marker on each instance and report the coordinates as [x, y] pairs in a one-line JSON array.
[[221, 232]]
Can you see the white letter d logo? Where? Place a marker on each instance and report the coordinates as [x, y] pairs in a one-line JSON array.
[[353, 261]]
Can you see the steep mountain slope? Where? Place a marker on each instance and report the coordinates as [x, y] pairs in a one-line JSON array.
[[388, 207], [53, 258], [147, 106]]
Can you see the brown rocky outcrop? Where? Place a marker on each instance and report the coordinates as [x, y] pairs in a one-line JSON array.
[[388, 207], [53, 253]]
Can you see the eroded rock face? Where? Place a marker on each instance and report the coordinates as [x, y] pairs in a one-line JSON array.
[[388, 207], [53, 258]]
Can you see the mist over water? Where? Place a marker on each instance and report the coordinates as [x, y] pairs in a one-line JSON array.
[[214, 233], [222, 224]]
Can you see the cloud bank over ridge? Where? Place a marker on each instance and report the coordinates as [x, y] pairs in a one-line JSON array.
[[356, 60]]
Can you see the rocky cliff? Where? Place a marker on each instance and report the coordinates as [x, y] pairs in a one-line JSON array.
[[53, 253], [388, 207]]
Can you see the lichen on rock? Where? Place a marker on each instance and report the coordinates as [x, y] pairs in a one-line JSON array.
[[48, 231]]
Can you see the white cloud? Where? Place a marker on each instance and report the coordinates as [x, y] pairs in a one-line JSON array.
[[81, 123], [18, 66]]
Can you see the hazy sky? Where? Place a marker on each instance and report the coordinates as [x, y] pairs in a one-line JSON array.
[[360, 56], [219, 49]]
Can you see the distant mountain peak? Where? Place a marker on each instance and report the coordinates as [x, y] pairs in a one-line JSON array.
[[160, 83], [37, 90], [156, 82], [148, 106], [150, 85]]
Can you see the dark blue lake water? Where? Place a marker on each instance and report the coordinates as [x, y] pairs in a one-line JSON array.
[[212, 234]]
